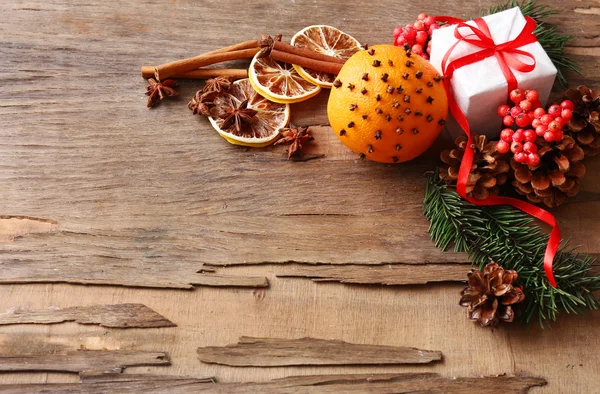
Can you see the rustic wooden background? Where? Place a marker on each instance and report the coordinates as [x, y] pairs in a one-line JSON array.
[[98, 189]]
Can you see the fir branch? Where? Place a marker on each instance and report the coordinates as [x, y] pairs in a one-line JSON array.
[[510, 238], [548, 36]]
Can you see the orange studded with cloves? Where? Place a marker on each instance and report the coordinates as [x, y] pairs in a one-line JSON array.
[[387, 104]]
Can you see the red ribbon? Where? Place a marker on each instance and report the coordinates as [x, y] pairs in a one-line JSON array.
[[505, 54]]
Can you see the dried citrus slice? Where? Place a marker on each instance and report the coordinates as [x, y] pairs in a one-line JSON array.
[[326, 40], [269, 119], [279, 82]]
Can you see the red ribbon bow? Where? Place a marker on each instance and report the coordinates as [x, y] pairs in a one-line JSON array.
[[505, 54]]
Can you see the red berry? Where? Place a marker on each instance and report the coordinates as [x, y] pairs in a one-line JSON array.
[[521, 157], [398, 31], [567, 104], [503, 110], [536, 122], [526, 105], [418, 49], [518, 136], [546, 119], [548, 136], [420, 26], [554, 126], [566, 114], [516, 147], [554, 110], [424, 56], [529, 135], [539, 112], [531, 116], [560, 121], [530, 147], [503, 147], [516, 110], [410, 33], [523, 120], [516, 96], [541, 130], [533, 159], [400, 41], [507, 135], [432, 28], [422, 37], [508, 121], [429, 21], [532, 95], [558, 135], [421, 16]]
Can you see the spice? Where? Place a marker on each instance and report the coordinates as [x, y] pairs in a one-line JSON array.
[[235, 114], [296, 136], [268, 44], [217, 84], [202, 103], [178, 67], [201, 73], [317, 65], [159, 90]]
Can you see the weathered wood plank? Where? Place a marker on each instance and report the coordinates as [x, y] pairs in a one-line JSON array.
[[136, 193], [271, 352], [117, 316], [397, 274], [365, 383], [81, 360]]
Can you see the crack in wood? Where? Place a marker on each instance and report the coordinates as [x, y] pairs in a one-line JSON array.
[[116, 316], [81, 361], [273, 352], [391, 274], [424, 383]]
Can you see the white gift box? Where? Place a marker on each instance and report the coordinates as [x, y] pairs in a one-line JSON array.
[[480, 88]]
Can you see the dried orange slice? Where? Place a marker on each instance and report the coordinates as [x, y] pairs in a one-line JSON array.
[[269, 119], [326, 40], [279, 82]]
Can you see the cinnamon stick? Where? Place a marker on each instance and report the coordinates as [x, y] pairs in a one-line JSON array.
[[305, 52], [179, 67], [317, 65], [201, 73]]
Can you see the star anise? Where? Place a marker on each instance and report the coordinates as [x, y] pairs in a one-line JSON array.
[[296, 136], [235, 114], [217, 84], [159, 90], [202, 103]]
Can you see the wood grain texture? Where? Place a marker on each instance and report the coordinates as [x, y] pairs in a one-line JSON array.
[[81, 361], [276, 352], [396, 274], [364, 384], [150, 197], [117, 316]]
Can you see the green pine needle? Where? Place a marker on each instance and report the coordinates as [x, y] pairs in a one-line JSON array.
[[548, 36], [510, 238]]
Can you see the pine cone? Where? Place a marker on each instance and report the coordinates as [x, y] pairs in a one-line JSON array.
[[489, 170], [491, 295], [555, 178], [585, 123]]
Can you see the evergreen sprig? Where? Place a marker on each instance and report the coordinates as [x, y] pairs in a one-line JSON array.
[[511, 238], [548, 36]]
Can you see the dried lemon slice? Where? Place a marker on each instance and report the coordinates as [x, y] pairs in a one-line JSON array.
[[269, 119], [279, 82], [326, 40]]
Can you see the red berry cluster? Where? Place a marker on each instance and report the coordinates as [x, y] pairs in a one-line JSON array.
[[528, 112], [417, 35]]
